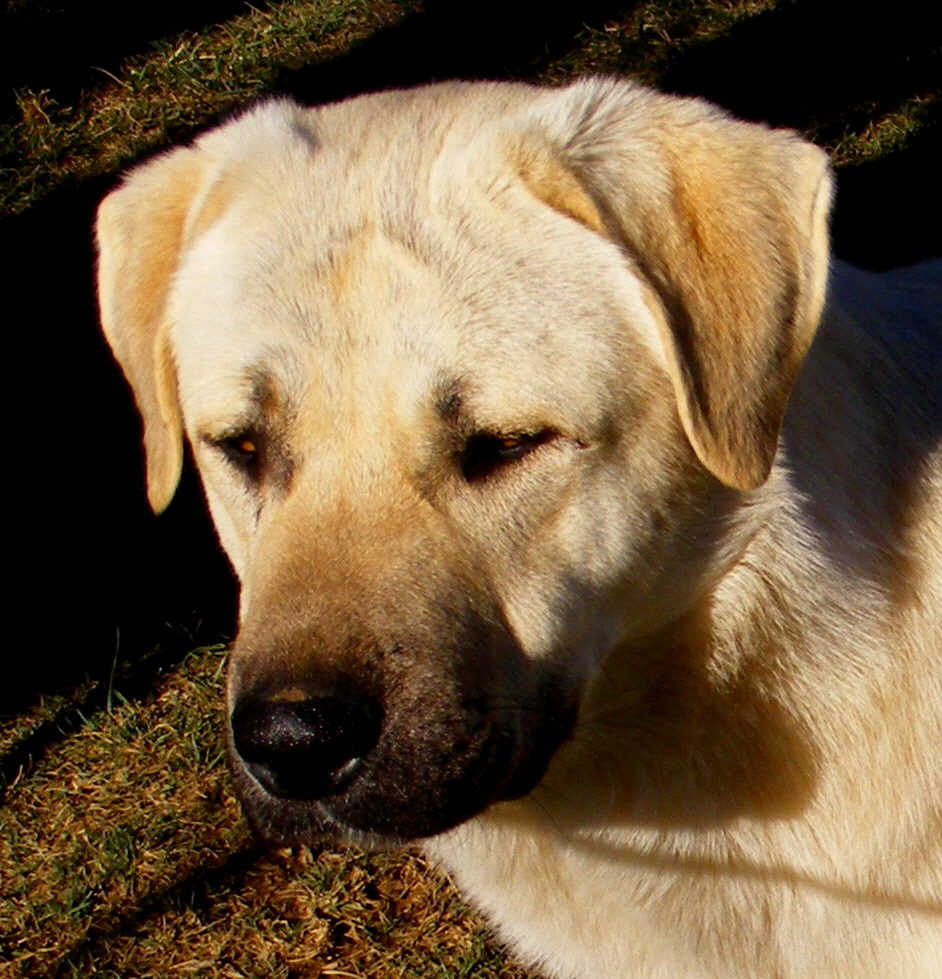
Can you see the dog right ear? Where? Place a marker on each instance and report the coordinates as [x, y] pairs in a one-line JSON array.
[[141, 231]]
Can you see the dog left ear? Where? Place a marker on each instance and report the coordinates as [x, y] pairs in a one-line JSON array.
[[728, 222]]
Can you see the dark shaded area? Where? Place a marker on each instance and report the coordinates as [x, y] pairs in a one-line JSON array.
[[455, 39], [131, 680], [889, 211], [90, 558], [818, 63], [192, 888], [806, 65], [53, 46], [90, 562]]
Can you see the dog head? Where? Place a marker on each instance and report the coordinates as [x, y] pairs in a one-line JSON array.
[[476, 378]]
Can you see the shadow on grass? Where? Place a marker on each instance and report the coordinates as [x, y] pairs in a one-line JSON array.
[[817, 64], [455, 39], [93, 558], [191, 889], [889, 211], [52, 47]]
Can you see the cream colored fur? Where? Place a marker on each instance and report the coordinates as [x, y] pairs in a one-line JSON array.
[[727, 547]]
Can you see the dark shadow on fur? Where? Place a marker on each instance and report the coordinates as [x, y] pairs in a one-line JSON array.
[[661, 743], [746, 870]]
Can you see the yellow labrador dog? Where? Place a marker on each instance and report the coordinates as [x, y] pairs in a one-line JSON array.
[[588, 519]]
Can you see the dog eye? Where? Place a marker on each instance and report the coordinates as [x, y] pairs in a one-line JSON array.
[[242, 449], [485, 453]]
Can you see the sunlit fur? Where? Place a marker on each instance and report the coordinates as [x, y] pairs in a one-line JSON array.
[[723, 542]]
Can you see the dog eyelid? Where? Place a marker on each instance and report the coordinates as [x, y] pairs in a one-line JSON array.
[[485, 453], [242, 449]]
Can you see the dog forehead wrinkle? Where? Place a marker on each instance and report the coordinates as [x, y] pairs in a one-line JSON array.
[[262, 389]]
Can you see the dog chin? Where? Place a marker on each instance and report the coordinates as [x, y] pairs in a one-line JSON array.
[[284, 822]]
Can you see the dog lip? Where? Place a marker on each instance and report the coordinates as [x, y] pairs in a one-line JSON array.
[[525, 774]]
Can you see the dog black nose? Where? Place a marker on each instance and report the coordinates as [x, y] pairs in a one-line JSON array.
[[305, 749]]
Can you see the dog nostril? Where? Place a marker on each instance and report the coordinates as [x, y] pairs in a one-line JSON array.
[[305, 749]]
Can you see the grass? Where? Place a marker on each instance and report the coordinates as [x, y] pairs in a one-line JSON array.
[[194, 76], [122, 850], [181, 82]]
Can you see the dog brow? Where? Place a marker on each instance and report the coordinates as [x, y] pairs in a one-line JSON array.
[[261, 404], [260, 377], [449, 400]]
